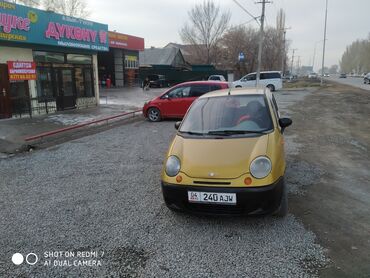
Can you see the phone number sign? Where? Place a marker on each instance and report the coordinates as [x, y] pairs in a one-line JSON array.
[[21, 70]]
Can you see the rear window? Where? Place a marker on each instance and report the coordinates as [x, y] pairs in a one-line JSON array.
[[214, 78], [153, 77], [198, 90], [215, 87], [270, 75]]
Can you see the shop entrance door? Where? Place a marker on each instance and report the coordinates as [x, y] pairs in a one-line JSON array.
[[66, 94], [5, 102]]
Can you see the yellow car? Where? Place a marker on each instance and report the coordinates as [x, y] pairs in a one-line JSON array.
[[228, 156]]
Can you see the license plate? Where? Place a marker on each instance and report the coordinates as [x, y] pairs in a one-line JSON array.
[[212, 198]]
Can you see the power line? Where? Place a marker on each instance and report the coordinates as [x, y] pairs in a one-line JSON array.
[[245, 10]]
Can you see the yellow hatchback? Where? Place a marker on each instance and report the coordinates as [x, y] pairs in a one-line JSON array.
[[228, 156]]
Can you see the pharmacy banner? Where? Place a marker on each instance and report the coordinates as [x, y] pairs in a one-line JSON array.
[[21, 70], [23, 24], [118, 40]]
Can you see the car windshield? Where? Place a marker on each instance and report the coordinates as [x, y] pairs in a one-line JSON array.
[[228, 115]]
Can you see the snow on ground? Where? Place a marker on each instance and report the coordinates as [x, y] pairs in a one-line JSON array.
[[70, 119]]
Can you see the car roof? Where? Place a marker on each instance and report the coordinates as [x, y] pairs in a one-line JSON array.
[[205, 82], [271, 71], [236, 92]]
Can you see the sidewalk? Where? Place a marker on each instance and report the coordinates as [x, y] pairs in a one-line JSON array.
[[112, 102]]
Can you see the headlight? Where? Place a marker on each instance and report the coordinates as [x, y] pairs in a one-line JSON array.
[[172, 166], [260, 167]]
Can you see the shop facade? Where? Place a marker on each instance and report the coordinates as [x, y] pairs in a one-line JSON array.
[[48, 61], [121, 63]]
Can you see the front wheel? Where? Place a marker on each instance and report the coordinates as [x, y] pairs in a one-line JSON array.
[[238, 86], [154, 115]]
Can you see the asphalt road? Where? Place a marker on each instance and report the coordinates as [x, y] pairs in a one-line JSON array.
[[357, 82], [97, 199]]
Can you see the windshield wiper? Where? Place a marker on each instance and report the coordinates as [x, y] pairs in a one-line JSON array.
[[228, 132], [192, 133]]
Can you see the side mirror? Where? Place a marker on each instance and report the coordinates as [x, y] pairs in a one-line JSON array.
[[284, 123], [166, 97], [177, 125]]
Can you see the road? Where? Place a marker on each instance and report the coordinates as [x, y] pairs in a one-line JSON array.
[[357, 82], [101, 193]]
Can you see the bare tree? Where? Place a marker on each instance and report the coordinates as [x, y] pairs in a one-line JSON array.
[[205, 29], [240, 39], [29, 3], [76, 8], [356, 58], [245, 39]]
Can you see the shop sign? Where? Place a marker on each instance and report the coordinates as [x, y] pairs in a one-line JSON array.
[[117, 40], [23, 24], [21, 70]]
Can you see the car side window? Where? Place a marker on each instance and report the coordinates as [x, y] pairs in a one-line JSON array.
[[276, 108], [251, 77], [179, 92], [275, 104], [198, 90], [215, 88]]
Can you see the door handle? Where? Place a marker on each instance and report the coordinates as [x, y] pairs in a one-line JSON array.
[[4, 92]]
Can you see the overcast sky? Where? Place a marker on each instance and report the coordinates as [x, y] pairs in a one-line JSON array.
[[159, 22]]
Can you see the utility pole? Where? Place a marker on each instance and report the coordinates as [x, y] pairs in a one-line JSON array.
[[283, 51], [298, 65], [263, 2], [323, 50], [291, 67]]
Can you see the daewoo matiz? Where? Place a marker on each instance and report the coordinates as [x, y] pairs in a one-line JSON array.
[[228, 156]]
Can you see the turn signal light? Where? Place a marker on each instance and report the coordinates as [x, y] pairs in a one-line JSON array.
[[179, 179], [248, 181]]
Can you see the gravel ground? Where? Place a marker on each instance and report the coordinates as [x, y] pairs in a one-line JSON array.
[[101, 193]]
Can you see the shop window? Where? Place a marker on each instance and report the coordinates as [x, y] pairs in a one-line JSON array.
[[131, 62], [48, 57], [44, 83], [84, 82], [79, 59], [89, 89], [80, 83]]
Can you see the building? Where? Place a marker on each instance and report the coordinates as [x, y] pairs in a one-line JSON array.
[[121, 63], [171, 65], [48, 61], [193, 54], [170, 58]]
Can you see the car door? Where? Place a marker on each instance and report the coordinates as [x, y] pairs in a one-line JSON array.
[[251, 80], [174, 103], [196, 91]]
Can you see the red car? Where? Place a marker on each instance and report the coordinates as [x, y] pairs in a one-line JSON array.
[[174, 102]]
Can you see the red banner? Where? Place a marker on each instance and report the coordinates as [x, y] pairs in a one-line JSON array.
[[21, 70], [117, 40]]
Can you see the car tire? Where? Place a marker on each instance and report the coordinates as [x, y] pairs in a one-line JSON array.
[[238, 86], [154, 115], [271, 87], [283, 208]]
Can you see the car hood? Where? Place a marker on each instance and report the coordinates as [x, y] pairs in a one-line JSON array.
[[217, 158]]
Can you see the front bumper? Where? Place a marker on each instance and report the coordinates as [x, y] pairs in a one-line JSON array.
[[253, 200]]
